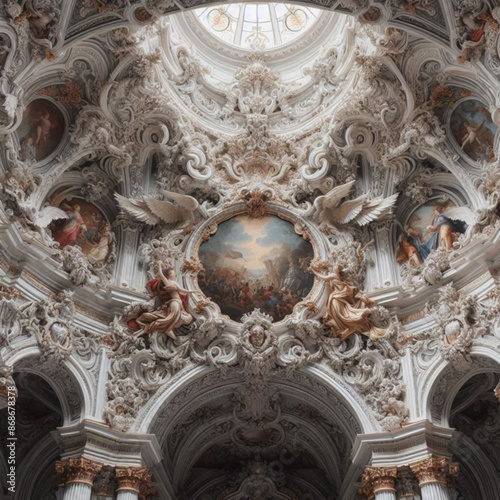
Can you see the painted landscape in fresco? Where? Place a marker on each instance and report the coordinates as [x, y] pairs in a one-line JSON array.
[[86, 227], [474, 129], [41, 130], [429, 228], [254, 263]]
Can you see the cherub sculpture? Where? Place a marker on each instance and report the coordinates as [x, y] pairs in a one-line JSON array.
[[347, 310], [168, 310]]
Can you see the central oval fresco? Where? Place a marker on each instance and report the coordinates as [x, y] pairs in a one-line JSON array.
[[256, 263]]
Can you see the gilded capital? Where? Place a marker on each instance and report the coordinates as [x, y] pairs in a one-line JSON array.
[[434, 470], [378, 479], [77, 470], [134, 479]]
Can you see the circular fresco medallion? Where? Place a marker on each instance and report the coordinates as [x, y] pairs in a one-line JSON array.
[[252, 263]]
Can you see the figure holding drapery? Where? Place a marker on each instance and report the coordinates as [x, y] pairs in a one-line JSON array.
[[347, 310], [170, 309]]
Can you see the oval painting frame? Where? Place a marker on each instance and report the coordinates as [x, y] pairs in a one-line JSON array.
[[41, 130], [473, 129], [256, 263]]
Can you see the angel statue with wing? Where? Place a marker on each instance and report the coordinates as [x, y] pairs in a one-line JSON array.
[[168, 310], [448, 223]]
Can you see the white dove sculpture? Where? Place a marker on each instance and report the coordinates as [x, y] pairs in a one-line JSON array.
[[178, 212], [360, 210], [43, 217]]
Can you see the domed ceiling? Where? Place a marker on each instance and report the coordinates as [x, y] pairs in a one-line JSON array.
[[257, 26], [250, 245]]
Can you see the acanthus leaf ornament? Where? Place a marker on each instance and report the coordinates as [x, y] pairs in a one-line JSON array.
[[434, 470]]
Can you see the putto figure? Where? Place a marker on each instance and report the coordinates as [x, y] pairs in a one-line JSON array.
[[347, 310], [168, 309]]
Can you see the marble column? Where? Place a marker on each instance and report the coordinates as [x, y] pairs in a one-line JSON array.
[[378, 483], [434, 475], [385, 495], [434, 491], [127, 495], [133, 483], [77, 475], [77, 491]]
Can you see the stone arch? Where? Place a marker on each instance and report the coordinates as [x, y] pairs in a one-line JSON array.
[[39, 410], [445, 381], [204, 411], [69, 382]]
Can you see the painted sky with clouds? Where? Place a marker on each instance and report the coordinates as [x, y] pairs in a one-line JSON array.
[[257, 239]]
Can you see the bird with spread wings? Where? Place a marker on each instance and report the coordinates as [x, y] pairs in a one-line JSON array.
[[178, 212], [45, 216], [361, 210]]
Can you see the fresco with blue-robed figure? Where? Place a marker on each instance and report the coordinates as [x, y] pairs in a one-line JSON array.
[[431, 226]]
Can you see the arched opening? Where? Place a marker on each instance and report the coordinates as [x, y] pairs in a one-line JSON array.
[[37, 412], [475, 414], [291, 439]]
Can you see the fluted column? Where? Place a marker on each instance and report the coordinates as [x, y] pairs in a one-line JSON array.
[[434, 491], [127, 495], [77, 491], [134, 483], [77, 476], [378, 483], [434, 476]]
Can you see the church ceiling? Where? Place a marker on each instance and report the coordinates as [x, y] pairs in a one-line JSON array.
[[265, 248]]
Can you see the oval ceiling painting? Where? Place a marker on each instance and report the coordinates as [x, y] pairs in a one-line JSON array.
[[256, 263], [41, 130], [474, 130]]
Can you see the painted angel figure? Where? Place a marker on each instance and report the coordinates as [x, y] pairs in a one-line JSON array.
[[472, 135], [347, 310], [72, 228], [171, 306]]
